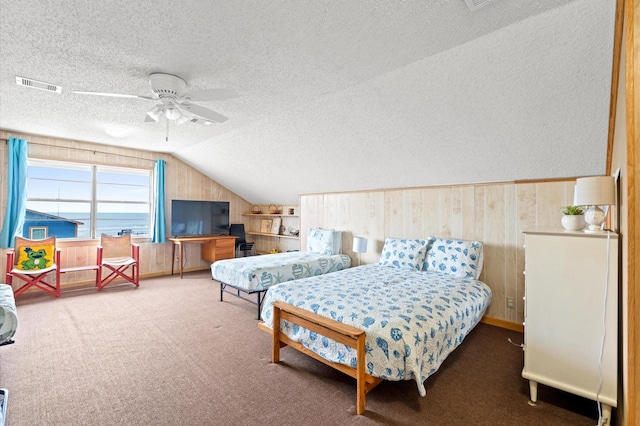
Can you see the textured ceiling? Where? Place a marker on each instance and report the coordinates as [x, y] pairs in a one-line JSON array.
[[334, 95]]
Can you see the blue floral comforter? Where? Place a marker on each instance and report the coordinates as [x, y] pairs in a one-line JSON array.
[[257, 273], [413, 320]]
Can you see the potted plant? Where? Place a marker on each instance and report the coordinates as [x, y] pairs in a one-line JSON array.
[[573, 218]]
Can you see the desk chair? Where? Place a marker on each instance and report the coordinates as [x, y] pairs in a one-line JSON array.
[[34, 262], [119, 256], [242, 246]]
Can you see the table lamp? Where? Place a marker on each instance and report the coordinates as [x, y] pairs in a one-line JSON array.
[[593, 192], [359, 246]]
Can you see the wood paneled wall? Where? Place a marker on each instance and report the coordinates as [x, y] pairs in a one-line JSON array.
[[493, 213], [181, 182]]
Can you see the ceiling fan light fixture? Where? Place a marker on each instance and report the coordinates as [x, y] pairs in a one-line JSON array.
[[182, 119], [155, 113], [172, 113]]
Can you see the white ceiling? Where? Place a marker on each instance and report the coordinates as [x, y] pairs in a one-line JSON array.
[[334, 95]]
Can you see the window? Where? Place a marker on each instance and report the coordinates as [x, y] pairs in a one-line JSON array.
[[38, 232], [74, 200]]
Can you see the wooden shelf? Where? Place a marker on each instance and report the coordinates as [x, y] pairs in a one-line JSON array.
[[269, 215], [292, 237]]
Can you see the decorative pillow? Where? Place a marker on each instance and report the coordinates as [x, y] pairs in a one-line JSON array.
[[459, 258], [320, 240], [33, 257], [404, 253]]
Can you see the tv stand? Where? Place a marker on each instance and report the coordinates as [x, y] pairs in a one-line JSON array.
[[214, 247]]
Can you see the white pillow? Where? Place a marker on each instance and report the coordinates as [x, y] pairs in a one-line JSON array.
[[404, 253], [320, 240], [462, 259]]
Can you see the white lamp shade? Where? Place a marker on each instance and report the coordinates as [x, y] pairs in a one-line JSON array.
[[595, 191], [359, 245], [155, 113]]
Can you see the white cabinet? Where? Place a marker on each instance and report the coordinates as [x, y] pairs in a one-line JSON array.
[[571, 314]]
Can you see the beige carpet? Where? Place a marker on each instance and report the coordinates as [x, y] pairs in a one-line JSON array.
[[170, 353]]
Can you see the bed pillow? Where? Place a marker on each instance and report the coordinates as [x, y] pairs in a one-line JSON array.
[[320, 240], [459, 258], [404, 253]]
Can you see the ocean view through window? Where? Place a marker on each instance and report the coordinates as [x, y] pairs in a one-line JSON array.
[[74, 200]]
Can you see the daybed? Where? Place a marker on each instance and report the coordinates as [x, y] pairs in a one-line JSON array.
[[395, 320], [255, 274]]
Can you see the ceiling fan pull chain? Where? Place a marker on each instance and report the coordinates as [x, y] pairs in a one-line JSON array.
[[167, 137]]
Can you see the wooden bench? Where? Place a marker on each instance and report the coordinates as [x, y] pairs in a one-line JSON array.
[[81, 269]]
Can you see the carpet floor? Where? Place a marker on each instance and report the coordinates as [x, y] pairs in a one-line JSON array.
[[170, 353]]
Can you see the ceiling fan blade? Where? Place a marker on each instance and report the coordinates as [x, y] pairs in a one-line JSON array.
[[113, 95], [204, 112], [211, 95]]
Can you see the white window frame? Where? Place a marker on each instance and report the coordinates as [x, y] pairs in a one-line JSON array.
[[94, 201]]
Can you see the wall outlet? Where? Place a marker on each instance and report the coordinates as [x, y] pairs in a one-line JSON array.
[[510, 302]]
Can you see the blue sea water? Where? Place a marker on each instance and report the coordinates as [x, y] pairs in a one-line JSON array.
[[110, 223]]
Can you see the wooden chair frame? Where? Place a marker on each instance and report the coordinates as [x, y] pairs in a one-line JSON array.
[[341, 333], [118, 268], [34, 278]]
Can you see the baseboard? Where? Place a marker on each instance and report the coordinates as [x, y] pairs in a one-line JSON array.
[[514, 326]]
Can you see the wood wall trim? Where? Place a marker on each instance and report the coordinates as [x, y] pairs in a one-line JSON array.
[[513, 326], [615, 80], [449, 185], [632, 28]]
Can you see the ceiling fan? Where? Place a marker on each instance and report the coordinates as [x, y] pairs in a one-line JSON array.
[[175, 101]]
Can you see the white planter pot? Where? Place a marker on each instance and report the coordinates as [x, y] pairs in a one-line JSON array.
[[573, 222]]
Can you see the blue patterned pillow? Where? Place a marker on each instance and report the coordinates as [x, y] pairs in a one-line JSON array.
[[404, 253], [462, 259], [320, 240]]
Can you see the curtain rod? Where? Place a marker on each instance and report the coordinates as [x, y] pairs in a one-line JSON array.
[[85, 149]]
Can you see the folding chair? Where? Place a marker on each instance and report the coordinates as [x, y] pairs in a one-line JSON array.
[[33, 261], [120, 257]]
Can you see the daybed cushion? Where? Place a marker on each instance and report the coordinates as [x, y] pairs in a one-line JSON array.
[[257, 273]]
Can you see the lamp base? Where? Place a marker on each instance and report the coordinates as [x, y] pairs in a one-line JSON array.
[[594, 216], [595, 231]]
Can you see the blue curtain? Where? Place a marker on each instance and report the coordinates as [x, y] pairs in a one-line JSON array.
[[159, 225], [16, 192]]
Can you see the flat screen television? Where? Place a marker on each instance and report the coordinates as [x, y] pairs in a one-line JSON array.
[[191, 218]]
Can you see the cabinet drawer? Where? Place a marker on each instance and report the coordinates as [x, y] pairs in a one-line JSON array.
[[225, 244]]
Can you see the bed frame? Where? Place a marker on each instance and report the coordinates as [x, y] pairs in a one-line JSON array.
[[237, 293], [339, 332]]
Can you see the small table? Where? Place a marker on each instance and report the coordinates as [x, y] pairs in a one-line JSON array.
[[215, 247]]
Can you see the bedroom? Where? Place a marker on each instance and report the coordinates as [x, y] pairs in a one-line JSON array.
[[401, 204]]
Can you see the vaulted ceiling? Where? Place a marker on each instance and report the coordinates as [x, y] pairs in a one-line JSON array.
[[333, 95]]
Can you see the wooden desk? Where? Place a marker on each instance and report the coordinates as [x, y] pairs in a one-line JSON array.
[[214, 247]]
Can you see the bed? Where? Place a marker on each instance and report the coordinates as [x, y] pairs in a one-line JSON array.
[[8, 315], [247, 276], [406, 314]]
